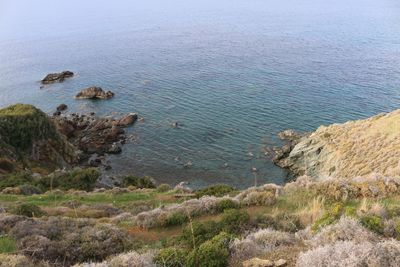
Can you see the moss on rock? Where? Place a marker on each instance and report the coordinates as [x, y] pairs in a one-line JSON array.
[[29, 138]]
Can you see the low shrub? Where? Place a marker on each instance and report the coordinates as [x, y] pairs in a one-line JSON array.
[[171, 257], [28, 210], [282, 222], [234, 221], [199, 232], [192, 207], [69, 241], [329, 217], [129, 259], [15, 180], [79, 179], [176, 218], [258, 243], [346, 229], [372, 222], [346, 253], [7, 222], [139, 182], [163, 188], [227, 204], [19, 261], [212, 253], [218, 190], [6, 165], [259, 196], [28, 190]]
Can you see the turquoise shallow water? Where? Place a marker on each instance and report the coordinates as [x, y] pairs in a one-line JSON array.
[[232, 73]]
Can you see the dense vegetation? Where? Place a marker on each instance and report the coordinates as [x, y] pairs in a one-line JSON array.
[[28, 138], [155, 228]]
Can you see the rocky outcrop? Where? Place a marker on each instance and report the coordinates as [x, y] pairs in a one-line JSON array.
[[93, 134], [355, 148], [62, 107], [126, 120], [27, 135], [57, 77], [281, 154], [94, 93]]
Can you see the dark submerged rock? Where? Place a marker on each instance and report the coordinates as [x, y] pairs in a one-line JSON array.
[[57, 77], [62, 107]]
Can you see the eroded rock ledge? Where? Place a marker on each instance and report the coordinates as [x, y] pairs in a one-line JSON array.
[[351, 149]]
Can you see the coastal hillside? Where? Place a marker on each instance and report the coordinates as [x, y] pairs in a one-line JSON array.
[[29, 139], [351, 149], [67, 218]]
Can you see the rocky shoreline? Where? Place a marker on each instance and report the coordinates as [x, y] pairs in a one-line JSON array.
[[352, 149]]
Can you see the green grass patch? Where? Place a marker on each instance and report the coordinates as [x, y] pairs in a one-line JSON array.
[[7, 245]]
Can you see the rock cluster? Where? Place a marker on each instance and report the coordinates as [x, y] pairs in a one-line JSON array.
[[92, 134], [57, 77], [94, 93]]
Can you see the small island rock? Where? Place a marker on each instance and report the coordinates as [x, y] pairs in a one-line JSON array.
[[94, 93], [57, 77]]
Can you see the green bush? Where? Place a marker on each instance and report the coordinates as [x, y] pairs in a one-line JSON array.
[[22, 124], [171, 257], [80, 179], [282, 222], [201, 233], [227, 204], [329, 217], [140, 182], [234, 221], [212, 253], [6, 164], [397, 230], [163, 188], [373, 223], [27, 189], [28, 210], [175, 219], [218, 190], [15, 179]]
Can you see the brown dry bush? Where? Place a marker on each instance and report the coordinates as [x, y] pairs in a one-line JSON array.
[[63, 241], [19, 261]]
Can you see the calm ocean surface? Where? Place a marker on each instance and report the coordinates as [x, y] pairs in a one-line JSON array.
[[233, 73]]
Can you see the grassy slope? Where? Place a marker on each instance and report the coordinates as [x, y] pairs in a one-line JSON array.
[[352, 149], [303, 205]]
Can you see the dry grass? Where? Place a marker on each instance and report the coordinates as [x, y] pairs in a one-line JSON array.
[[355, 148], [311, 213]]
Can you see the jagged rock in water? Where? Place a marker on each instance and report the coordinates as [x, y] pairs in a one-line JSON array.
[[57, 77], [126, 120], [93, 134], [94, 93], [62, 107]]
